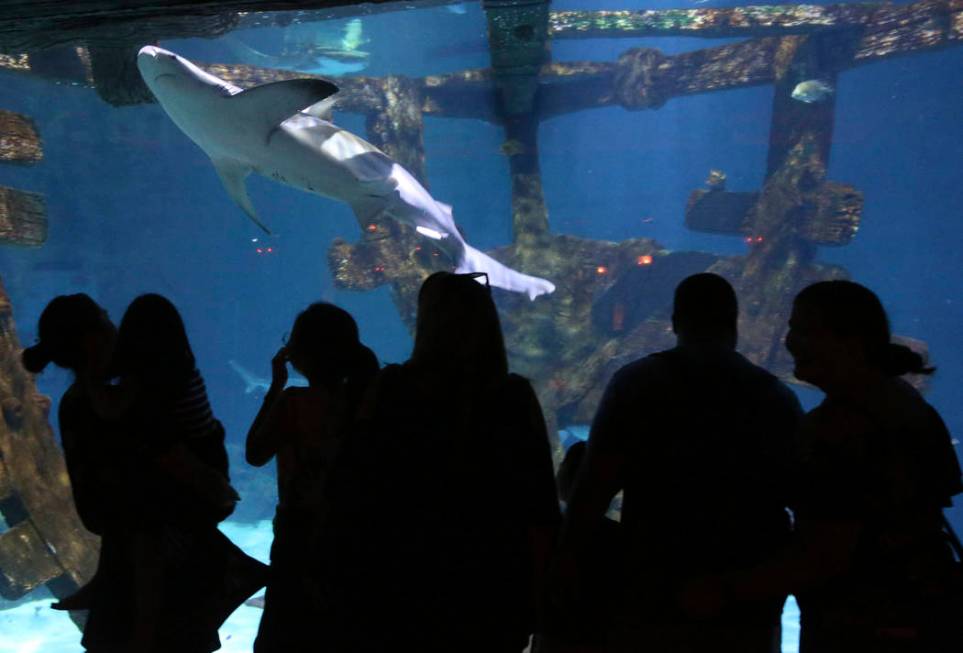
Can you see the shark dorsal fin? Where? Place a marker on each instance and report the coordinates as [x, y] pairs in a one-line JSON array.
[[271, 104]]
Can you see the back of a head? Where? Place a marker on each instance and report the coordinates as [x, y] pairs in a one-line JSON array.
[[326, 338], [851, 310], [705, 307], [61, 329], [458, 328], [152, 341]]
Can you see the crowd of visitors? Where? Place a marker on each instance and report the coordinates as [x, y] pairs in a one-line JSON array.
[[419, 508]]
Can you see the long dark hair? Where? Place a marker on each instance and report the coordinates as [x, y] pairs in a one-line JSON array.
[[152, 342], [851, 310], [458, 329], [61, 330], [327, 336]]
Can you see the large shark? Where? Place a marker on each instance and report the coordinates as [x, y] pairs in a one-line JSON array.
[[275, 130]]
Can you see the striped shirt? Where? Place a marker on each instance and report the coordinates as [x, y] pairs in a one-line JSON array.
[[191, 414]]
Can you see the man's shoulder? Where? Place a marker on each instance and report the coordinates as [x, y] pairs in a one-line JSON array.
[[647, 363]]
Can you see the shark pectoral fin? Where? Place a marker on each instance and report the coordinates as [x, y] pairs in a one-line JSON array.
[[369, 210], [232, 174], [271, 104]]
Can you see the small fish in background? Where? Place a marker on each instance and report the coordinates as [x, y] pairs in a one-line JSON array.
[[458, 10], [512, 147], [253, 382], [812, 90]]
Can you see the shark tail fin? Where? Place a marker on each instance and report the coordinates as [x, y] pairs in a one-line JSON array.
[[502, 276]]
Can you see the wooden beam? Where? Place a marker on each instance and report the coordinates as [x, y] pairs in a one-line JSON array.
[[19, 142], [23, 218], [25, 561], [729, 22], [46, 541], [642, 78]]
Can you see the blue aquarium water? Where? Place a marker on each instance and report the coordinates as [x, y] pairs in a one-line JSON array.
[[134, 206]]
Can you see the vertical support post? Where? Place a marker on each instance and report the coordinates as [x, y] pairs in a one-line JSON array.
[[779, 263], [398, 130], [519, 44]]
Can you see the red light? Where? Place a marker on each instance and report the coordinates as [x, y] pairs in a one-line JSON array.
[[270, 250], [259, 250], [759, 239], [601, 270], [379, 269], [645, 259], [372, 228]]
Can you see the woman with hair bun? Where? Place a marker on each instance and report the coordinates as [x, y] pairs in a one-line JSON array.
[[302, 428], [871, 567], [76, 334]]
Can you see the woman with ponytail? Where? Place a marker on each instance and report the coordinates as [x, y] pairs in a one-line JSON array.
[[871, 566], [302, 429]]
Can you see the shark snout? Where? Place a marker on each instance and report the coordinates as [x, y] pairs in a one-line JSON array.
[[152, 51], [156, 63]]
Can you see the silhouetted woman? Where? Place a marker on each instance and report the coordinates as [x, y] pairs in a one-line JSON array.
[[302, 428], [179, 580], [443, 503], [871, 563]]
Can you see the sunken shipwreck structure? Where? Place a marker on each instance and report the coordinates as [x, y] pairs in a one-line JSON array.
[[613, 298]]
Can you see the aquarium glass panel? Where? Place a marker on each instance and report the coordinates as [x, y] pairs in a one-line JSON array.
[[588, 155]]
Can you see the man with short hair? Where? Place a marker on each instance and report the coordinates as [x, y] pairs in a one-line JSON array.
[[699, 439]]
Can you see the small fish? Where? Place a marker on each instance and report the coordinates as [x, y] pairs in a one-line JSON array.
[[716, 179], [512, 147], [812, 90], [458, 10]]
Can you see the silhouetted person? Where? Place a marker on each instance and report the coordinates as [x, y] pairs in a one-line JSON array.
[[699, 439], [302, 428], [181, 489], [870, 565], [443, 504], [75, 333]]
